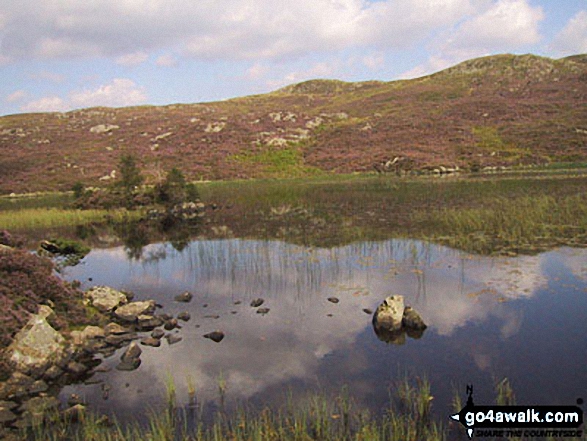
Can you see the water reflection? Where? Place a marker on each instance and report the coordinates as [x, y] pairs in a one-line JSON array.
[[484, 316]]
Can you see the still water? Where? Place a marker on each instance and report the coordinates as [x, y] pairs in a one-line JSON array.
[[523, 318]]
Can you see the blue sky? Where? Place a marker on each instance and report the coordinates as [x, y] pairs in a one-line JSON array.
[[59, 55]]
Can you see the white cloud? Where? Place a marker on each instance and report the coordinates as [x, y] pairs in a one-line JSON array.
[[495, 27], [120, 92], [573, 38], [166, 61], [133, 59], [232, 29], [504, 26], [46, 104], [17, 95]]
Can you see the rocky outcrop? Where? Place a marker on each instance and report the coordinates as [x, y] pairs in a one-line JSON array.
[[104, 128], [392, 321], [37, 345], [105, 299], [131, 311]]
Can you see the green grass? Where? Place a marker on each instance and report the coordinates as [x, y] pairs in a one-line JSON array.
[[282, 162], [317, 417], [37, 218]]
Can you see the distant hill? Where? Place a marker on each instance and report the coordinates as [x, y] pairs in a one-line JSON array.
[[491, 111]]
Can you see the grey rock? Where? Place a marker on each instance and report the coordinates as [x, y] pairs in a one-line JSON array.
[[148, 322], [10, 405], [170, 324], [184, 315], [390, 313], [131, 311], [105, 299], [53, 373], [118, 340], [37, 345], [104, 128], [6, 416], [133, 351], [115, 329], [263, 311], [38, 387], [76, 368], [257, 302], [151, 341], [333, 299], [172, 339], [215, 336], [158, 333], [184, 297]]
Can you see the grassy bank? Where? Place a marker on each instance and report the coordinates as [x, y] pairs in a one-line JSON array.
[[37, 218], [477, 213]]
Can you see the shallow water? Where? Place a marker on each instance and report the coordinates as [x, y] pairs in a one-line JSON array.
[[523, 318]]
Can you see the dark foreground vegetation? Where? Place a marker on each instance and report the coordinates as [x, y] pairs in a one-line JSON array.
[[409, 417]]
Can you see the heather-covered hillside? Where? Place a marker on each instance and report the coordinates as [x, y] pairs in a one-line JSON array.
[[492, 111]]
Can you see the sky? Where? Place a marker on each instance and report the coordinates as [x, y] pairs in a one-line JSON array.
[[60, 55]]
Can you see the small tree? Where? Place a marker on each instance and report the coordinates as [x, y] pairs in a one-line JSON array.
[[130, 178], [173, 190]]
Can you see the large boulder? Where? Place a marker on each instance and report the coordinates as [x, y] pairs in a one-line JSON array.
[[131, 311], [105, 299], [393, 320], [390, 313], [37, 345]]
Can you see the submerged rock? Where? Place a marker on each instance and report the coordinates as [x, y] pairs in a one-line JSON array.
[[172, 339], [333, 299], [263, 311], [185, 297], [257, 302], [184, 315], [215, 336]]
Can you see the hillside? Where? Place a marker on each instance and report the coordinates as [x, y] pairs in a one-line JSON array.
[[491, 111]]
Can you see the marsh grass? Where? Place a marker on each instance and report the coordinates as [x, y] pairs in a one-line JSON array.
[[37, 218], [522, 224], [319, 417]]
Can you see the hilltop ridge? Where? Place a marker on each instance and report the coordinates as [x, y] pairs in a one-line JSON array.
[[499, 110]]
